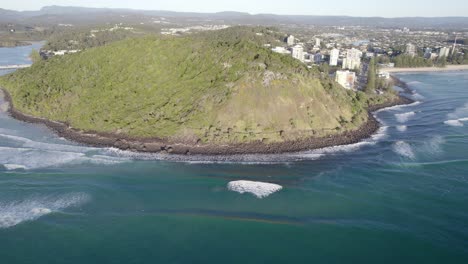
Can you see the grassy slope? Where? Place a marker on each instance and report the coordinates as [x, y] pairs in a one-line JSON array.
[[219, 86]]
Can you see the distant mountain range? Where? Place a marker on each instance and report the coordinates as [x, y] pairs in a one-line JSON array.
[[64, 14]]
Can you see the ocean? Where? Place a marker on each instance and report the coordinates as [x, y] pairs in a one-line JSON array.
[[398, 197]]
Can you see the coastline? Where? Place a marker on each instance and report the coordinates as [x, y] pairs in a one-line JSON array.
[[155, 145], [427, 69], [14, 44]]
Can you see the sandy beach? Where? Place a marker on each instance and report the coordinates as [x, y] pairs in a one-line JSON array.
[[428, 69]]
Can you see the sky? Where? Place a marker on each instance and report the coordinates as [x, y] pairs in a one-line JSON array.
[[365, 8]]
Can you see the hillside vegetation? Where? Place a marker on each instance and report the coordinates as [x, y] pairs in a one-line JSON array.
[[216, 87]]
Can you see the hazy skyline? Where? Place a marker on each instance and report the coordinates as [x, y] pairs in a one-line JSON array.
[[366, 8]]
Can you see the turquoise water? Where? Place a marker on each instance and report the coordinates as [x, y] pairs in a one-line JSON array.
[[399, 197]]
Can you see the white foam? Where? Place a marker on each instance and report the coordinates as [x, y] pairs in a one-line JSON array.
[[402, 128], [16, 212], [434, 146], [403, 118], [30, 159], [459, 113], [403, 149], [41, 211], [14, 166], [417, 96], [465, 119], [381, 134], [397, 107], [455, 123], [245, 159], [259, 189], [28, 143]]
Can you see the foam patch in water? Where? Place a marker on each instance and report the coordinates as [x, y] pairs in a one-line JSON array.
[[402, 128], [14, 167], [417, 96], [459, 113], [454, 123], [258, 189], [403, 149], [403, 118], [434, 146], [397, 107], [17, 212]]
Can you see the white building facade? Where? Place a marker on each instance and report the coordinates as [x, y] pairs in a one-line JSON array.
[[444, 52], [334, 55], [411, 49], [298, 52], [353, 59], [290, 40], [346, 79]]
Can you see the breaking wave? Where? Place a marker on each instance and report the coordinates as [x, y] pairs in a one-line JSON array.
[[397, 107], [417, 96], [258, 189], [454, 123], [28, 143], [17, 212], [403, 118], [457, 118], [14, 167], [37, 155], [459, 113], [402, 128]]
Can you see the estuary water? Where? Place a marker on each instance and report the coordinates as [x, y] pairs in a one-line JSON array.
[[398, 197]]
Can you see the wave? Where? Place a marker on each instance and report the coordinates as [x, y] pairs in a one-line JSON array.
[[397, 107], [379, 135], [458, 116], [28, 143], [258, 189], [14, 167], [343, 148], [417, 96], [16, 212], [403, 149], [30, 159], [454, 123], [402, 128], [403, 118]]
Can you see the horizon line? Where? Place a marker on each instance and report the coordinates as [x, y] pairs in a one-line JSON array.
[[227, 11]]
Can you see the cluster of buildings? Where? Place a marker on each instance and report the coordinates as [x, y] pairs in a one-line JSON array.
[[297, 50], [45, 54], [345, 48], [348, 59], [179, 31]]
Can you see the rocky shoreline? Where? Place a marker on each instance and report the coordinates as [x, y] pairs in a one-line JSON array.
[[161, 146]]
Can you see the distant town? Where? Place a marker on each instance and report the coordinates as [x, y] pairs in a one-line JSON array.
[[348, 57]]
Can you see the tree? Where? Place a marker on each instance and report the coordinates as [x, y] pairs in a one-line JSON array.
[[35, 56], [371, 77]]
